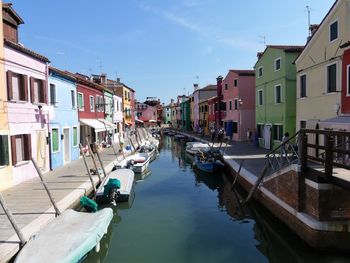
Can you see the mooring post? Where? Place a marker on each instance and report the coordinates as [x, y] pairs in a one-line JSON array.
[[237, 174], [87, 168], [12, 221], [328, 162], [302, 148], [46, 188], [257, 183], [93, 160], [99, 159]]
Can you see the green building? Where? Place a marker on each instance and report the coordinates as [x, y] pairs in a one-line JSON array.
[[275, 81], [186, 115]]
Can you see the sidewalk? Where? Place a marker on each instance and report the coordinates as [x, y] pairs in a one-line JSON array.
[[30, 203]]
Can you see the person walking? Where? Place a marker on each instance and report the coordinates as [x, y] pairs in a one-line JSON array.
[[249, 136], [212, 133], [285, 145], [220, 134]]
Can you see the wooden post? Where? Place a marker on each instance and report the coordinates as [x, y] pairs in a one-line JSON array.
[[93, 160], [99, 159], [87, 168], [12, 221], [302, 149], [257, 183], [237, 174], [46, 188], [328, 163]]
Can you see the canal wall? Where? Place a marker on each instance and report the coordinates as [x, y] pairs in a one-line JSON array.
[[317, 212]]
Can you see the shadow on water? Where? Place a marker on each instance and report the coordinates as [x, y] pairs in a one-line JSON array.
[[183, 215]]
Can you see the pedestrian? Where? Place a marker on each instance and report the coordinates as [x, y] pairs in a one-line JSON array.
[[249, 135], [285, 145], [256, 139], [220, 134], [212, 133]]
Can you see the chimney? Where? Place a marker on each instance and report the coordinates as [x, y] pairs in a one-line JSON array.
[[195, 86], [103, 78], [313, 28], [118, 80], [259, 55]]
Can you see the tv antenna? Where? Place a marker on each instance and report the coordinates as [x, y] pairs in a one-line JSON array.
[[263, 37], [197, 79], [308, 19]]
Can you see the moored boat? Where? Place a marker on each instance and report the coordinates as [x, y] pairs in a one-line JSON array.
[[68, 238], [196, 147], [137, 162], [208, 165]]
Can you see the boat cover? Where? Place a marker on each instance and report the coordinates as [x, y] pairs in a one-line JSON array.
[[67, 238]]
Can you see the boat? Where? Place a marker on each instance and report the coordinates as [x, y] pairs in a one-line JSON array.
[[126, 179], [195, 147], [171, 133], [68, 238], [208, 164], [179, 137], [137, 162]]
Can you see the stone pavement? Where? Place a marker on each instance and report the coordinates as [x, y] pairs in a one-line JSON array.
[[30, 204]]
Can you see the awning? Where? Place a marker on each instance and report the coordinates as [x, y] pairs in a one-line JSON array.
[[140, 121], [94, 123], [337, 123], [153, 121], [108, 124]]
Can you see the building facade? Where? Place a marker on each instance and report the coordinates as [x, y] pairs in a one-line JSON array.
[[276, 93], [186, 115], [199, 95], [204, 116]]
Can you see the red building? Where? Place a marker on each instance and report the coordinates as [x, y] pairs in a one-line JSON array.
[[345, 98], [90, 110]]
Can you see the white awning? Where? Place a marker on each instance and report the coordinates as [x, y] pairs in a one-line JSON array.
[[94, 123], [152, 121], [337, 123], [108, 124], [140, 121]]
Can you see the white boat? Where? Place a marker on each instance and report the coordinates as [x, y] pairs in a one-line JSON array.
[[68, 238], [137, 162], [195, 147], [126, 179], [150, 148]]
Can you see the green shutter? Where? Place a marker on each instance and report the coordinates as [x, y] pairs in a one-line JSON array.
[[80, 101], [75, 136], [4, 150], [55, 141]]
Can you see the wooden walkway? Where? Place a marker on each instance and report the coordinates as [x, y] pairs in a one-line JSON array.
[[31, 205]]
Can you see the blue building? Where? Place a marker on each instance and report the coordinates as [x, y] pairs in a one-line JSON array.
[[64, 124]]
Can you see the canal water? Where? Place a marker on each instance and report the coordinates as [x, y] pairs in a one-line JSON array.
[[181, 215]]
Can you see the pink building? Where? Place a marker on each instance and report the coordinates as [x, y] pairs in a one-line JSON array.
[[146, 113], [238, 89], [27, 104]]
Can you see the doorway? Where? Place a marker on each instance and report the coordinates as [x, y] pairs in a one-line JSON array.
[[66, 145]]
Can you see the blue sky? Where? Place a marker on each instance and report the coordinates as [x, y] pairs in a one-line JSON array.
[[160, 48]]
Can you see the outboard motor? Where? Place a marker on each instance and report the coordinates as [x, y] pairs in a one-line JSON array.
[[130, 164], [111, 190]]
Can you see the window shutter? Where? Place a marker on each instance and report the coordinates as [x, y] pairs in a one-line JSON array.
[[13, 150], [4, 151], [24, 86], [27, 147], [31, 79], [9, 85], [44, 91]]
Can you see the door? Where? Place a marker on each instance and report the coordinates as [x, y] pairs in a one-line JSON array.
[[41, 149], [66, 145], [267, 136]]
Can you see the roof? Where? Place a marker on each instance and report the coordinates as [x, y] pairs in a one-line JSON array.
[[8, 7], [115, 84], [208, 87], [320, 25], [243, 72], [285, 48], [80, 78], [25, 50], [62, 73]]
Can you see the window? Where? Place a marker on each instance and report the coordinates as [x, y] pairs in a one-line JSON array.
[[80, 101], [21, 148], [223, 105], [333, 31], [260, 130], [226, 86], [348, 80], [230, 104], [117, 103], [260, 97], [278, 94], [235, 82], [234, 127], [52, 94], [92, 103], [125, 94], [37, 91], [205, 108], [4, 150], [55, 143], [216, 107], [17, 86], [277, 132], [260, 71], [72, 96], [302, 124], [332, 78], [277, 64], [303, 86], [75, 136], [236, 104]]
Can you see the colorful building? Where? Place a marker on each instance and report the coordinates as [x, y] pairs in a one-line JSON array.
[[146, 113], [117, 116], [167, 114], [204, 116], [212, 104], [64, 123], [200, 95], [186, 115], [180, 99], [239, 98], [323, 89], [173, 117], [275, 80], [28, 113], [192, 111]]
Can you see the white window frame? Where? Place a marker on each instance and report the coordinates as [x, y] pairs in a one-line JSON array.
[[262, 98], [336, 75], [262, 71], [278, 124], [275, 93], [92, 109], [75, 146], [72, 91], [274, 64], [59, 139], [335, 21], [83, 106], [347, 80]]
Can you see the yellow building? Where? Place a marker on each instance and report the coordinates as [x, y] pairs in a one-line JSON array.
[[319, 69], [5, 165], [203, 116]]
